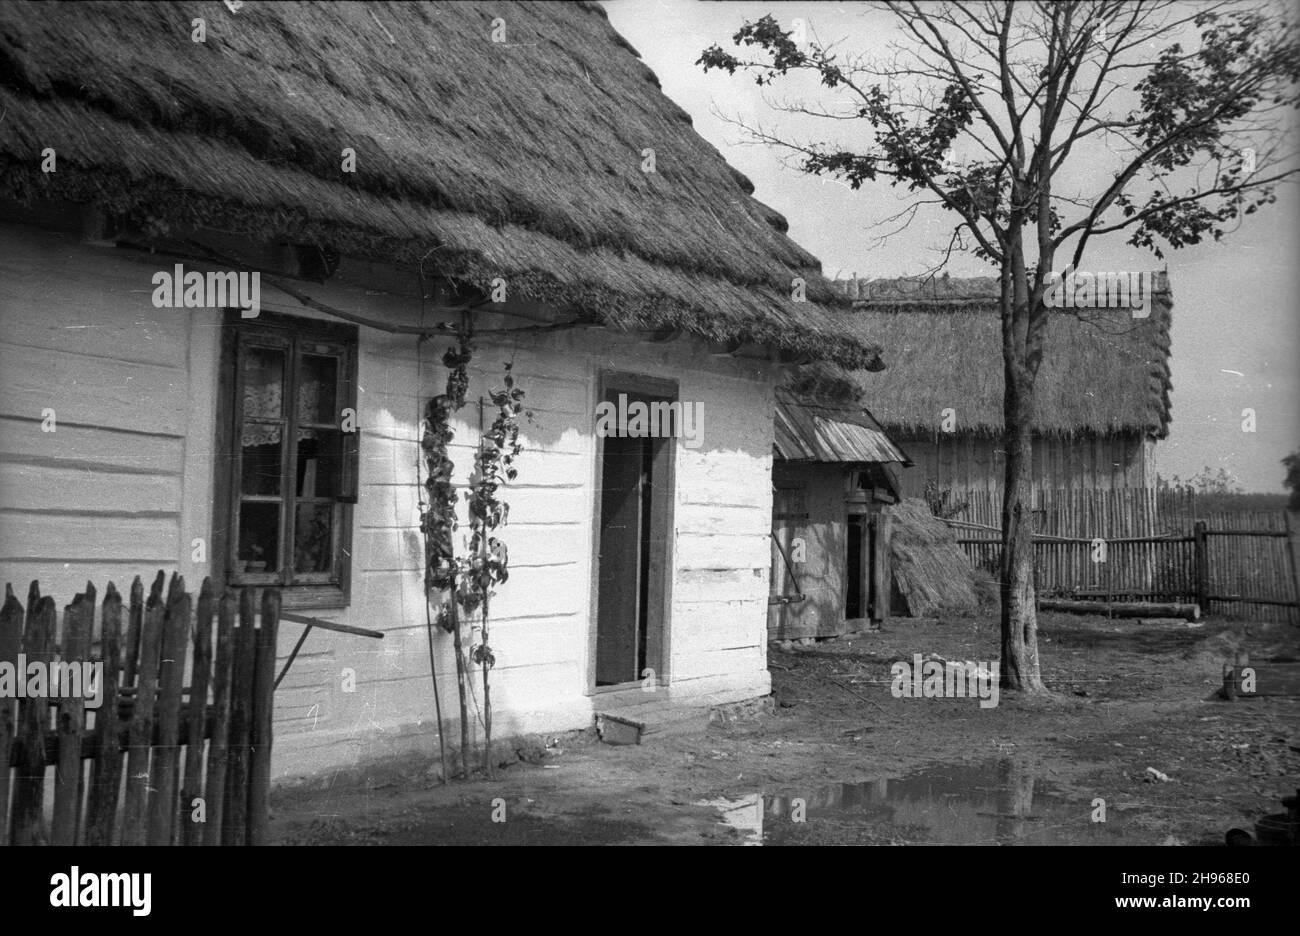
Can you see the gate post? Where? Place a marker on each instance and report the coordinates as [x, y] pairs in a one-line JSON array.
[[1202, 564], [1292, 544]]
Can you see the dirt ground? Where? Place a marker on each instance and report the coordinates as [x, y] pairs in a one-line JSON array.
[[839, 760]]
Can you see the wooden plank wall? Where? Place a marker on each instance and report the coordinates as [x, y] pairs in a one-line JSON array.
[[965, 462], [821, 575]]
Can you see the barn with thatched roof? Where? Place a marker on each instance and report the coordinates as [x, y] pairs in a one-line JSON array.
[[1102, 398], [341, 184]]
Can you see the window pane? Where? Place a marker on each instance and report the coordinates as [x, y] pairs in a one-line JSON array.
[[263, 374], [314, 538], [259, 536], [260, 467], [319, 459], [318, 389]]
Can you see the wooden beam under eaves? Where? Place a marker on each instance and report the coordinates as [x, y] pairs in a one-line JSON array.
[[753, 351], [725, 348], [788, 358], [98, 229]]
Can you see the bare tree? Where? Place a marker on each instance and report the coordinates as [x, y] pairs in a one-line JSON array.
[[1188, 103]]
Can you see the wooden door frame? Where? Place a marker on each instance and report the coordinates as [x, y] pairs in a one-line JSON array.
[[852, 508], [663, 499]]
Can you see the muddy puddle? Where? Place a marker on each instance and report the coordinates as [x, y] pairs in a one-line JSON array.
[[996, 803]]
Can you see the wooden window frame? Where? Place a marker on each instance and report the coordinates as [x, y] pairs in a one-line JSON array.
[[293, 334]]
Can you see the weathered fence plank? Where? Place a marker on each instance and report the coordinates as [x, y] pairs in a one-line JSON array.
[[11, 641], [196, 720], [259, 782], [241, 717], [135, 828], [78, 618], [106, 773], [171, 678], [218, 750], [135, 625], [29, 788]]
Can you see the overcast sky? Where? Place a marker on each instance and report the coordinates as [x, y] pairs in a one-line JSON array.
[[1236, 319]]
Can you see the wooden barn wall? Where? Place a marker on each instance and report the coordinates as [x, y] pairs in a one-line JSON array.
[[968, 462], [822, 524], [125, 486]]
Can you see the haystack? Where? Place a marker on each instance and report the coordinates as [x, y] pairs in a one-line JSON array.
[[930, 570]]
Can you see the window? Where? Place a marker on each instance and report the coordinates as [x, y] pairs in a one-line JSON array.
[[289, 443]]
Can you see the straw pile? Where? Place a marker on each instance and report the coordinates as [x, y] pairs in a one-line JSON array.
[[930, 570]]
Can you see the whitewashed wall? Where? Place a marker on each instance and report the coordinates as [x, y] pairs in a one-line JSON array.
[[112, 491], [124, 486]]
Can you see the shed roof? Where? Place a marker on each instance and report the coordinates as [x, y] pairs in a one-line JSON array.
[[807, 430]]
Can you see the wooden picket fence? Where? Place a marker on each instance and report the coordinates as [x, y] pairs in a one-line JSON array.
[[151, 724], [1159, 546]]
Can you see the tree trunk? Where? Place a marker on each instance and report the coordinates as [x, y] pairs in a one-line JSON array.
[[1020, 670]]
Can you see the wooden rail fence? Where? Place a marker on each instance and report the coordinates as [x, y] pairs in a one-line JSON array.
[[150, 725], [1158, 546]]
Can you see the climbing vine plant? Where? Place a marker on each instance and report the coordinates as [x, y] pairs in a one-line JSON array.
[[468, 581], [487, 560]]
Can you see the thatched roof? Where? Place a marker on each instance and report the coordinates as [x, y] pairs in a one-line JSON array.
[[1103, 371], [520, 159]]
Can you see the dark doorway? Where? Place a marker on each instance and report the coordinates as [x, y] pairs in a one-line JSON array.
[[634, 495], [854, 603], [871, 570]]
